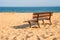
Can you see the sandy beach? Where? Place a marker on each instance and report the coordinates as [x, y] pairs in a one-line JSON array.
[[12, 27]]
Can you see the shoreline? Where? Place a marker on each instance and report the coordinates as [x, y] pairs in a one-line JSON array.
[[24, 12]]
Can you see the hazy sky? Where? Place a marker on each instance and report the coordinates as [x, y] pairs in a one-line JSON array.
[[30, 3]]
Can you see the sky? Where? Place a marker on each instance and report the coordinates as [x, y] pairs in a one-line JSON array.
[[29, 3]]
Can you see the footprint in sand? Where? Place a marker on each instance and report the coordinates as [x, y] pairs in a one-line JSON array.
[[54, 39], [30, 34], [48, 34], [38, 38], [43, 36], [32, 37], [4, 38], [14, 38], [7, 38]]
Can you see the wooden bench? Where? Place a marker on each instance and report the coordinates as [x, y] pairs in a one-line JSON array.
[[40, 16]]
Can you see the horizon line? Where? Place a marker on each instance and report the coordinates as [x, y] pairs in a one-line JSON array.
[[29, 6]]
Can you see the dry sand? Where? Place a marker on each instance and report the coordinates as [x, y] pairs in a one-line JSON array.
[[12, 27]]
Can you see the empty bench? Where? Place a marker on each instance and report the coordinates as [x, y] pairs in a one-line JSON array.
[[40, 16]]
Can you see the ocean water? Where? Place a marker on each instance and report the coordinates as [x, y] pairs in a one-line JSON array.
[[29, 9]]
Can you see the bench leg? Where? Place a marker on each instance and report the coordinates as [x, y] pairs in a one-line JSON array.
[[29, 24], [43, 21], [50, 22], [38, 24]]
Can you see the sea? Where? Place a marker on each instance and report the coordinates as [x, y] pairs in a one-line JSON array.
[[29, 9]]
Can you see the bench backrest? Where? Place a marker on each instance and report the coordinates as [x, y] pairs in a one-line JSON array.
[[42, 15]]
